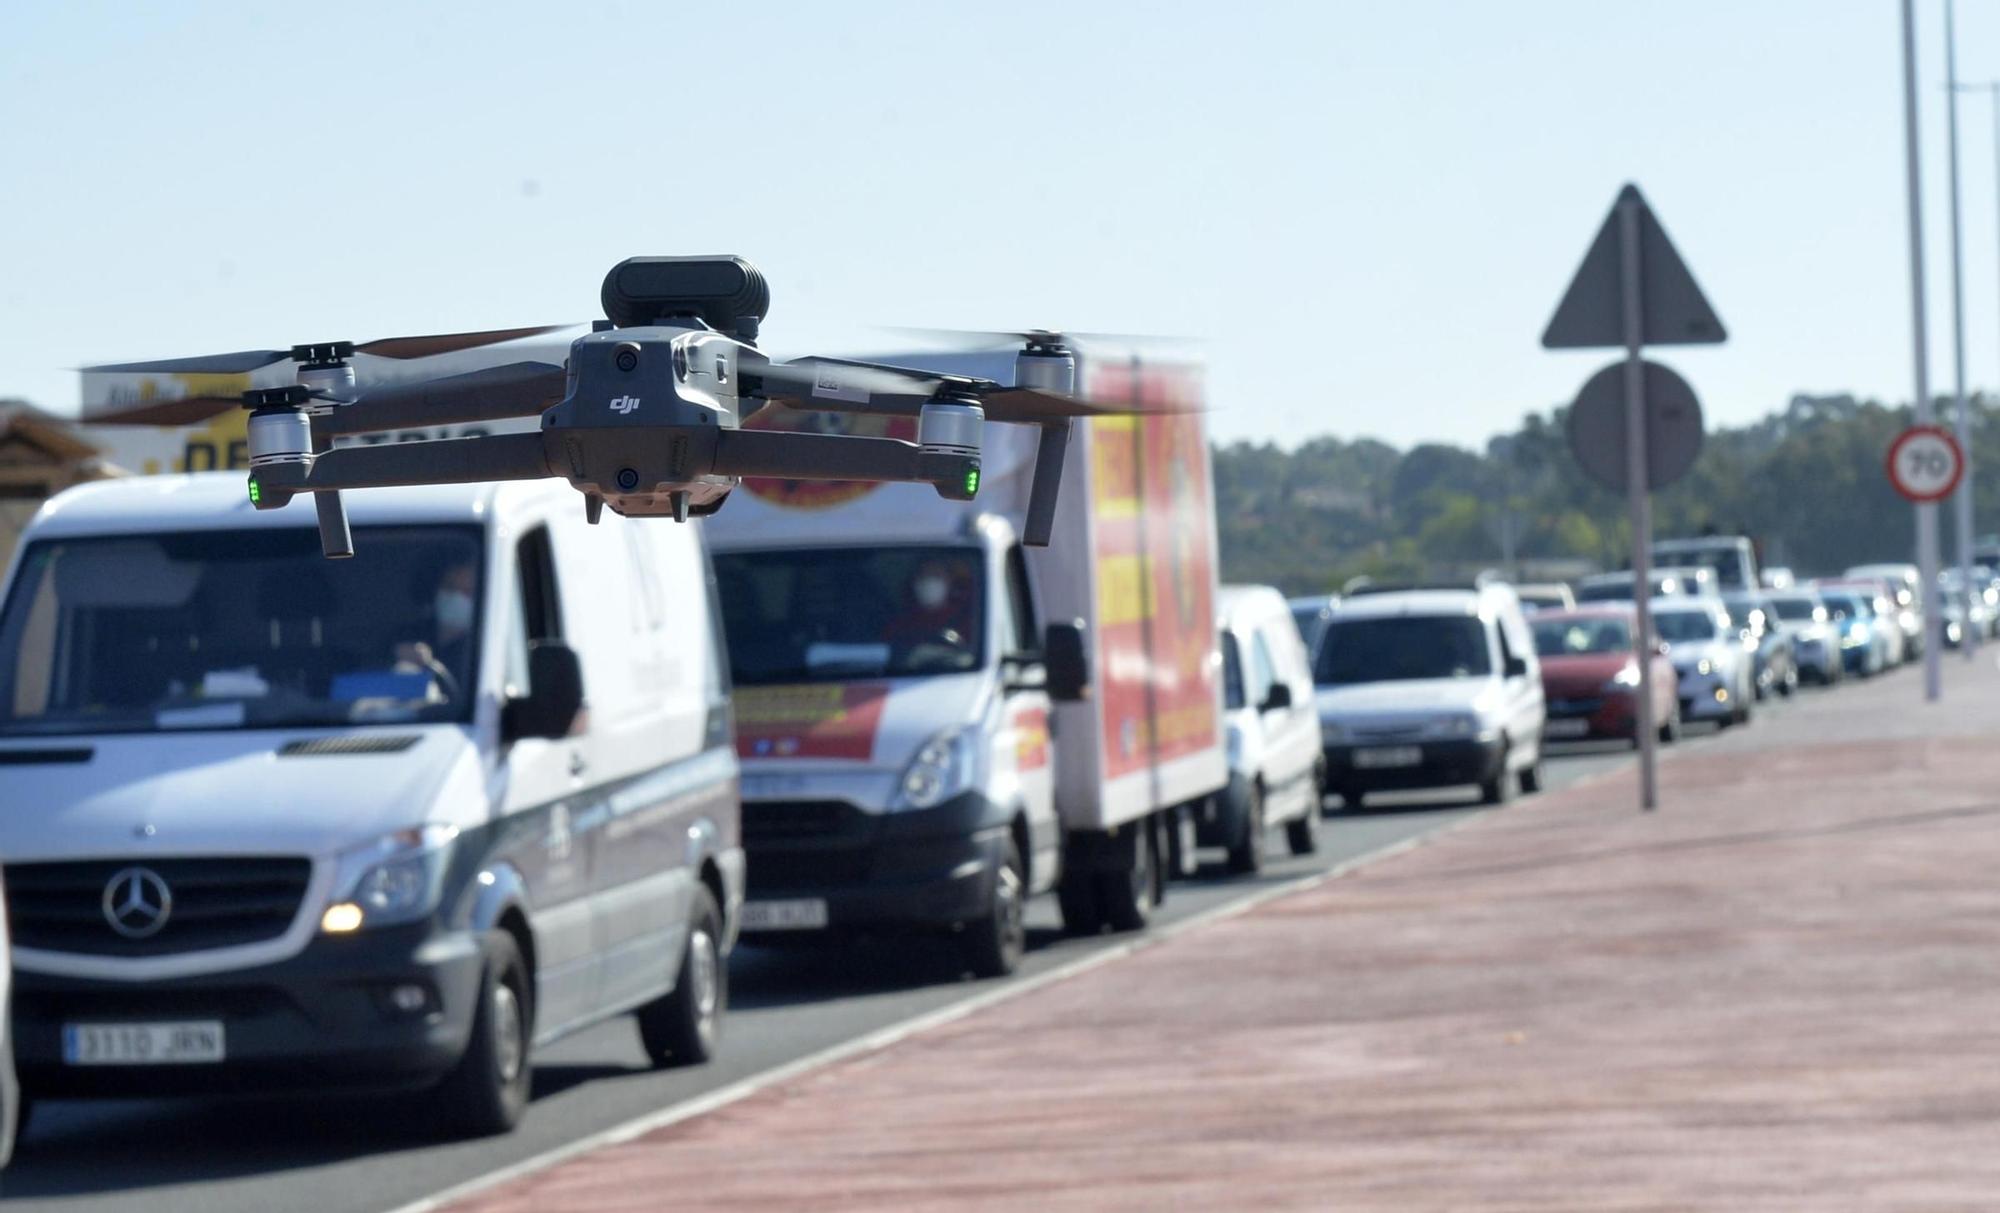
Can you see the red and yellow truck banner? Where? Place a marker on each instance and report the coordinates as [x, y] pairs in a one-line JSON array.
[[828, 720], [1156, 572]]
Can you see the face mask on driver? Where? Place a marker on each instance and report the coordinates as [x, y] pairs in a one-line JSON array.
[[931, 592], [453, 609]]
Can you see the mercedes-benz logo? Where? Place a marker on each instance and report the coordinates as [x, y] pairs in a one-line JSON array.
[[137, 902]]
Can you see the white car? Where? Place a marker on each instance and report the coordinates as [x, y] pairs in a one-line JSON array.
[[1274, 757], [1717, 674], [1430, 688], [1815, 639]]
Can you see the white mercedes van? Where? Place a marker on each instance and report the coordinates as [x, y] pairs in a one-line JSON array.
[[277, 822]]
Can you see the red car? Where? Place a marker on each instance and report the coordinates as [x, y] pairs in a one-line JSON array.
[[1591, 680]]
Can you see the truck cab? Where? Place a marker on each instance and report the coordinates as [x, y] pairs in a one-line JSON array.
[[893, 705]]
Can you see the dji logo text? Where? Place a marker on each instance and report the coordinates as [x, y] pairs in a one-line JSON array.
[[624, 405]]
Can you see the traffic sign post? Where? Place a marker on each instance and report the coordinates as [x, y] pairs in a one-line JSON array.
[[1633, 290]]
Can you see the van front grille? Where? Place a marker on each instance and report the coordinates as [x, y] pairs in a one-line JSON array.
[[207, 903]]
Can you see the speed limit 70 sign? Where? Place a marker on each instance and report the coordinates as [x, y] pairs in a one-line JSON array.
[[1926, 463]]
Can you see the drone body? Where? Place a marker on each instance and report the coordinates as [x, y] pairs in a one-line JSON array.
[[645, 416]]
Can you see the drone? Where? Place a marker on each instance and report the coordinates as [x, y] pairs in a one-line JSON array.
[[646, 414]]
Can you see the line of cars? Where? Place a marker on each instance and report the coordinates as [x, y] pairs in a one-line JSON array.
[[400, 821]]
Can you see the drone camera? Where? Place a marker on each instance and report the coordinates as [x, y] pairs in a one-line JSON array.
[[728, 294]]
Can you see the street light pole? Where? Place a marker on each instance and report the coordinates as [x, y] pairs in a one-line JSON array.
[[1927, 528], [1962, 500]]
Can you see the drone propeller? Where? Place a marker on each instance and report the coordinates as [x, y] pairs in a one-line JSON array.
[[981, 339], [244, 362]]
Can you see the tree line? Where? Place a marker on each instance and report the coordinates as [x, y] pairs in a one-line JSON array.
[[1806, 482]]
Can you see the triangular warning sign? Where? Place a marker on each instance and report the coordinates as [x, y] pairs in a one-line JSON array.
[[1674, 311]]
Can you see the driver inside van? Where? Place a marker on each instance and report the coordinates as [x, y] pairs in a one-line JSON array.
[[935, 623], [445, 650]]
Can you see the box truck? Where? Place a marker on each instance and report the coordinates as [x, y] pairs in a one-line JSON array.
[[936, 721]]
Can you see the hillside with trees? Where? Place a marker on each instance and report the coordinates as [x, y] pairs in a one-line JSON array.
[[1807, 482]]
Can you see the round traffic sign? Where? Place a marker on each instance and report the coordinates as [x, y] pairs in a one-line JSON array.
[[1673, 426], [1926, 463]]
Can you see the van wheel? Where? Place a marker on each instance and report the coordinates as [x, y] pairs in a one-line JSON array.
[[1247, 856], [995, 943], [1076, 896], [1127, 899], [682, 1028], [487, 1091], [1302, 832]]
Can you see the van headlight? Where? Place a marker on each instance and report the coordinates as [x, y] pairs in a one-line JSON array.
[[944, 766], [1455, 726], [396, 878]]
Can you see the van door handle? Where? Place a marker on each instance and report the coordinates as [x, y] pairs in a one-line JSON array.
[[577, 766]]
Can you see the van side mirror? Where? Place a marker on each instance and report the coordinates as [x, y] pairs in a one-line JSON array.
[[555, 694], [1517, 667], [1279, 696], [1068, 659]]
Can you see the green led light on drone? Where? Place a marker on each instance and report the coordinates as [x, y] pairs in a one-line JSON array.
[[256, 491], [972, 482]]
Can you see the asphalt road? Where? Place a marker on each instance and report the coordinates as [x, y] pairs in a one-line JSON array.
[[218, 1157]]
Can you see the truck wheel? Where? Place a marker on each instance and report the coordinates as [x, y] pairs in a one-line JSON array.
[[995, 943], [682, 1028], [1302, 832], [486, 1092], [1076, 896], [1127, 898], [1246, 857]]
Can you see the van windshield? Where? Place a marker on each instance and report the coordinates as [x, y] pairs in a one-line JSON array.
[[250, 629], [1399, 647], [837, 614]]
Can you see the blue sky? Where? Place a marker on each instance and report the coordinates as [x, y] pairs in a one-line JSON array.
[[1367, 210]]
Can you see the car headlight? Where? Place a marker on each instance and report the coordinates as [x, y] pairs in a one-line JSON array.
[[1454, 726], [396, 878], [1623, 680], [1704, 667], [944, 766]]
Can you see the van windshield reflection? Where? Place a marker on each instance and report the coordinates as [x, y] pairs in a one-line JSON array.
[[240, 629]]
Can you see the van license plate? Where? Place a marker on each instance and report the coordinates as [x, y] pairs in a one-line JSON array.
[[1389, 756], [195, 1042], [799, 914]]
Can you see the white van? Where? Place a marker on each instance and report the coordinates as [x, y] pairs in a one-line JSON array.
[[1429, 688], [937, 721], [386, 822], [1275, 766]]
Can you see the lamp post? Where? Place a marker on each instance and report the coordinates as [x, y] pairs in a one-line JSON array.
[[1962, 500], [1927, 528]]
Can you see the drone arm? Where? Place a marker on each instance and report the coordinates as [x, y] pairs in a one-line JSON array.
[[446, 461], [794, 456], [521, 389]]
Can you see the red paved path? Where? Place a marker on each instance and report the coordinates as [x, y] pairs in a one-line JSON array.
[[1780, 993]]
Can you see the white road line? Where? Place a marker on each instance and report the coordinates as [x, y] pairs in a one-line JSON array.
[[884, 1037]]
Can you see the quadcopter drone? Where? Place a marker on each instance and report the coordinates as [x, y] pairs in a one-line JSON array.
[[645, 416]]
